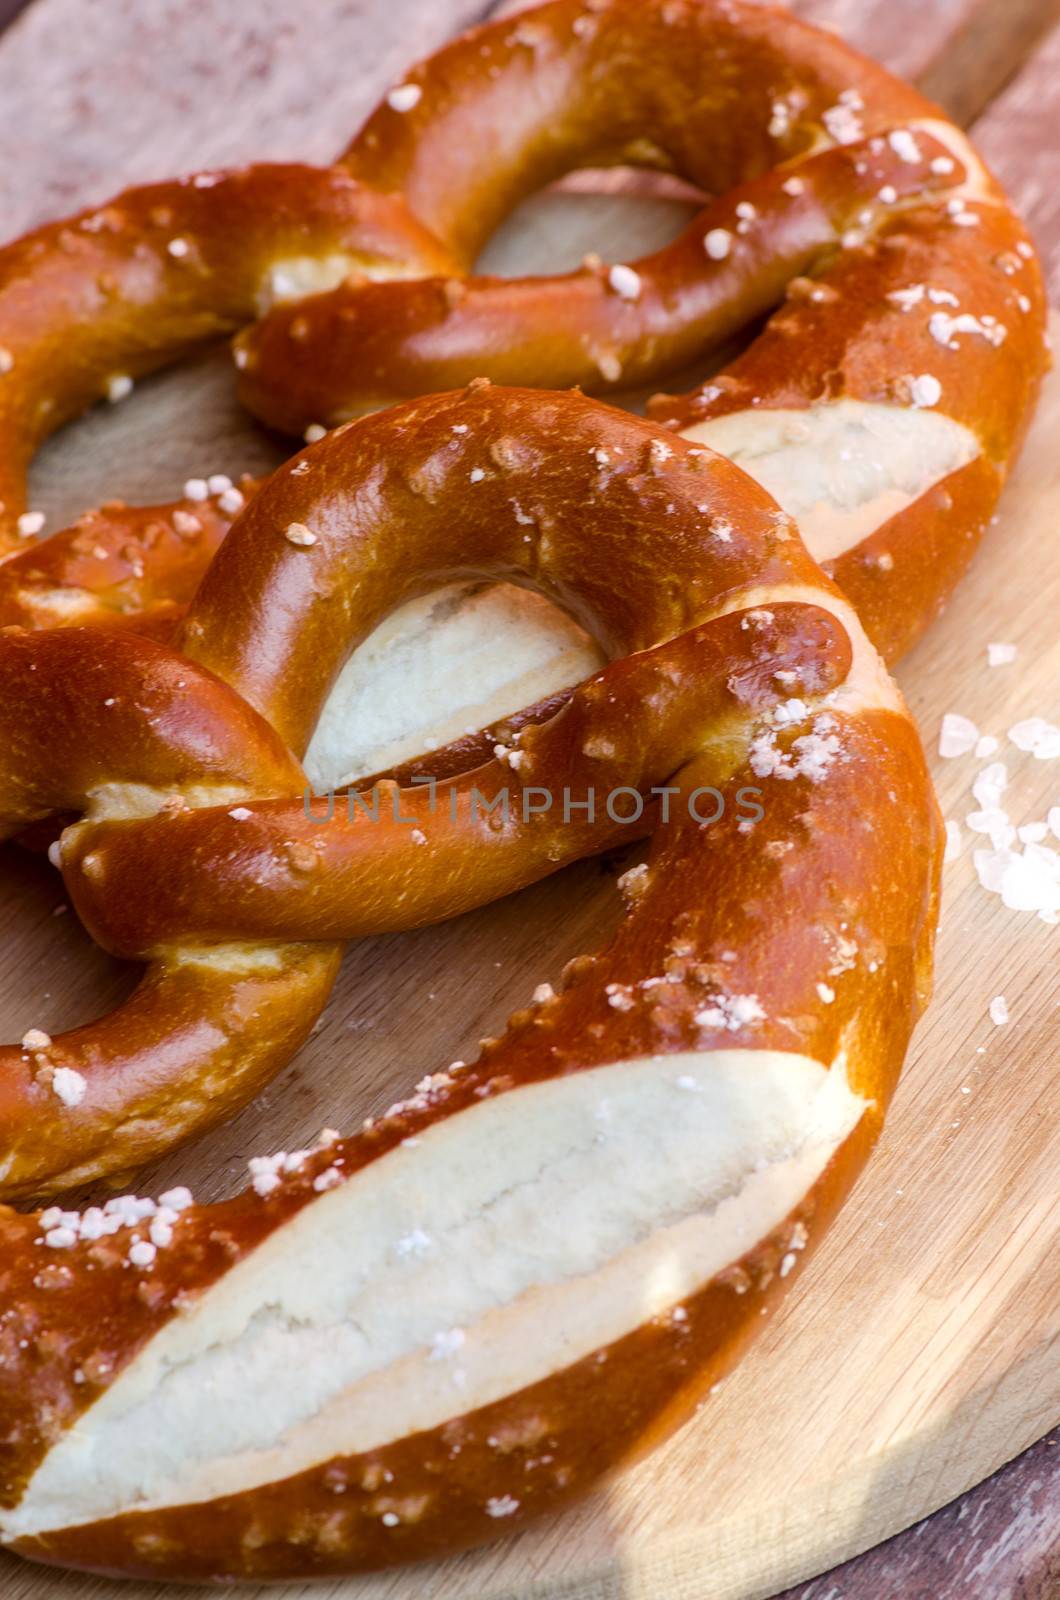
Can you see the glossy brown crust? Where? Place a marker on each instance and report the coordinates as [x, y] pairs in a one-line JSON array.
[[929, 546], [134, 284], [543, 1448], [734, 98], [393, 859], [196, 1040], [848, 336], [551, 90], [797, 893], [871, 216]]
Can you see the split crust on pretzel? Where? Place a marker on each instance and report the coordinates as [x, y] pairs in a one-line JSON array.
[[455, 1319]]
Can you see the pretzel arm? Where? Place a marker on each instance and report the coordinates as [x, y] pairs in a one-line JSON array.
[[396, 859]]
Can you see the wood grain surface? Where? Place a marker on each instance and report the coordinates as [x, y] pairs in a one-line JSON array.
[[920, 1353]]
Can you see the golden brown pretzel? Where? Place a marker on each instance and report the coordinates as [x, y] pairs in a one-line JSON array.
[[472, 1319], [909, 279], [89, 304], [121, 566]]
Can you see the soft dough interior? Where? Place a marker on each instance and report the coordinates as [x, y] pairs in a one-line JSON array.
[[841, 469], [505, 1243], [441, 666]]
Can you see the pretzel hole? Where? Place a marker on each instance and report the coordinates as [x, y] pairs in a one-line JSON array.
[[618, 214], [179, 423], [52, 975]]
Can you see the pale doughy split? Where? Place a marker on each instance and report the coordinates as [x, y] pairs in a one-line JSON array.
[[841, 469], [445, 1276]]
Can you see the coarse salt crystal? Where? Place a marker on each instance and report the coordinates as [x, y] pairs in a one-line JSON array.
[[717, 243], [625, 282], [404, 97], [69, 1085], [957, 736], [904, 146], [991, 784], [1038, 737], [999, 1010], [502, 1506], [925, 391]]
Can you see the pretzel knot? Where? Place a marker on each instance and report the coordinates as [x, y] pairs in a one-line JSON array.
[[731, 1050]]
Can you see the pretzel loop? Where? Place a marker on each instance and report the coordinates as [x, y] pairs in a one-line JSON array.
[[896, 275], [278, 870], [90, 304]]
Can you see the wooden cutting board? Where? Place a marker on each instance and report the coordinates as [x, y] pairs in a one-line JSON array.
[[920, 1349]]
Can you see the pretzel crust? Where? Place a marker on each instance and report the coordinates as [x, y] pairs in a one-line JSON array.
[[92, 303]]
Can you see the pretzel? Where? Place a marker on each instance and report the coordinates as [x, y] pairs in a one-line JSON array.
[[414, 1353], [848, 207], [92, 303]]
